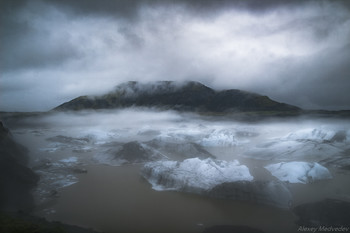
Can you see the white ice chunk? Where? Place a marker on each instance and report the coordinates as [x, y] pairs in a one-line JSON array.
[[172, 138], [69, 160], [223, 137], [299, 172], [65, 181], [318, 135], [290, 149], [194, 175]]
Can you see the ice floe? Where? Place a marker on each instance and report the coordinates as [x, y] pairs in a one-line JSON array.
[[317, 144], [299, 172], [194, 175], [342, 161], [177, 150], [223, 137], [126, 153], [319, 135], [60, 143], [216, 178], [69, 160]]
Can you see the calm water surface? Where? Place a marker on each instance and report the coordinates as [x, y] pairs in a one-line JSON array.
[[117, 199]]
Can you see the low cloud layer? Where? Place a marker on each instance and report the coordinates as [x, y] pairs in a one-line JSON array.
[[296, 52]]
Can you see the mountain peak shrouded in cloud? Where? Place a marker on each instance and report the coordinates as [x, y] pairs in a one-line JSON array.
[[186, 96], [296, 52], [134, 88]]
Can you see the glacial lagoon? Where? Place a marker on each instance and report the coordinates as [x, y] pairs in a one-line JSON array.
[[148, 171]]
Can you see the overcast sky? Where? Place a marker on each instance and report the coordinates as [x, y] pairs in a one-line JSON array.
[[296, 52]]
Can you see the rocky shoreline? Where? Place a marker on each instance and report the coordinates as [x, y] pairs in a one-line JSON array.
[[17, 182]]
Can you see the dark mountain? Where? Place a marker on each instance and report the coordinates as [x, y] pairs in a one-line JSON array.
[[188, 96]]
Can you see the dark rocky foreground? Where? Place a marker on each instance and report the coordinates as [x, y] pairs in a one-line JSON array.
[[231, 229], [16, 179], [16, 184], [20, 222], [325, 213]]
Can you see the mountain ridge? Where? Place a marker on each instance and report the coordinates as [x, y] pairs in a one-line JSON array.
[[185, 96]]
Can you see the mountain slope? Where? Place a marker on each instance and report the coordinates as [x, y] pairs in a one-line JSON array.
[[188, 96]]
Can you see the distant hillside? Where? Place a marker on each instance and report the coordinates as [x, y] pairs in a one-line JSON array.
[[188, 96]]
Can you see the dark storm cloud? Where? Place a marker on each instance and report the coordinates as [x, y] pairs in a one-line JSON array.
[[129, 8], [31, 46], [330, 80], [25, 45], [292, 51], [311, 83]]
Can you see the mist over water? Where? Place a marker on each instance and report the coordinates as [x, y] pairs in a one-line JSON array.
[[91, 164]]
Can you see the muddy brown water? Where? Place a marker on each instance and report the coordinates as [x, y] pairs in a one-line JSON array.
[[118, 199]]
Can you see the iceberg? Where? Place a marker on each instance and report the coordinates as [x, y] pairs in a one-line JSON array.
[[276, 150], [313, 134], [342, 162], [223, 137], [217, 179], [194, 175], [175, 137], [127, 153], [299, 172], [311, 143], [179, 151], [70, 140], [291, 149], [61, 143], [135, 152], [69, 160]]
